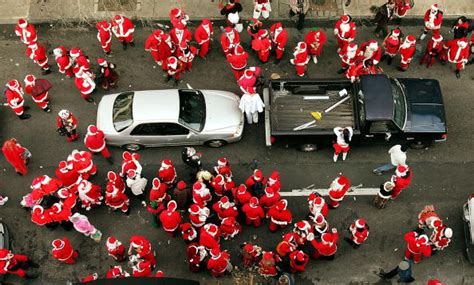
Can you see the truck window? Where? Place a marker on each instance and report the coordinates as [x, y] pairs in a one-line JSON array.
[[400, 106]]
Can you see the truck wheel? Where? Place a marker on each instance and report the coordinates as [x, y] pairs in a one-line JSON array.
[[215, 143], [132, 147], [308, 147], [420, 144]]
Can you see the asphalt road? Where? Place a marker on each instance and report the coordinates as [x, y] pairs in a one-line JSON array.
[[441, 173]]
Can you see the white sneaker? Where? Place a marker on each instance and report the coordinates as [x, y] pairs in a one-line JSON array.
[[423, 36], [315, 59], [344, 155], [3, 200], [334, 158]]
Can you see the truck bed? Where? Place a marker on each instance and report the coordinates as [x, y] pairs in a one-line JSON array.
[[292, 103]]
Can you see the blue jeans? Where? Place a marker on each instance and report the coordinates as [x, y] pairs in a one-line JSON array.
[[385, 168]]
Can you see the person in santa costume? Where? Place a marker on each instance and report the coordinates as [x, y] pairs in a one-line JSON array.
[[417, 246], [95, 142], [224, 208], [238, 61], [359, 231], [256, 183], [130, 161], [343, 137], [26, 32], [440, 238], [66, 123], [142, 269], [82, 161], [16, 264], [262, 8], [116, 272], [89, 194], [315, 41], [231, 12], [59, 215], [218, 184], [434, 48], [337, 190], [348, 55], [123, 29], [140, 247], [262, 45], [68, 198], [433, 19], [301, 229], [300, 58], [38, 89], [279, 38], [165, 50], [273, 182], [320, 225], [188, 232], [219, 263], [391, 45], [401, 179], [229, 228], [457, 51], [85, 83], [14, 95], [108, 77], [269, 199], [43, 186], [401, 9], [170, 218], [167, 172], [327, 247], [39, 217], [267, 267], [248, 81], [174, 67], [115, 249], [202, 35], [254, 26], [209, 236], [89, 278], [104, 36], [137, 184], [317, 205], [230, 38], [407, 51], [116, 199], [370, 50], [223, 167], [152, 45], [81, 62], [280, 216], [178, 18], [180, 37], [344, 31], [253, 212], [298, 261], [366, 66], [67, 174], [250, 254], [63, 251], [186, 54], [37, 53], [198, 215], [158, 197], [201, 194], [64, 62], [241, 195], [16, 155], [196, 255]]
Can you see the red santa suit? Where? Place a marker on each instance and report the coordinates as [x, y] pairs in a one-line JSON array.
[[115, 249], [116, 199], [315, 41], [202, 35], [9, 263], [218, 185], [95, 141], [327, 247], [363, 67], [348, 55], [434, 49], [407, 51], [198, 215], [262, 45], [402, 7], [173, 68], [417, 246], [219, 262], [209, 236], [253, 212], [433, 19], [170, 218], [14, 95], [165, 50], [82, 63], [338, 190], [273, 181], [104, 35], [130, 162], [300, 58], [223, 167], [370, 50], [287, 245], [26, 32], [298, 261], [152, 45], [89, 278], [67, 174], [229, 228], [64, 62], [359, 231], [268, 263], [317, 205], [14, 154], [89, 194], [391, 43], [241, 195], [158, 191], [37, 53], [186, 55], [441, 237], [196, 255], [63, 251], [38, 88], [457, 51], [180, 37], [279, 215], [279, 37], [269, 199], [58, 213], [229, 40], [84, 83], [116, 272], [68, 198], [224, 208], [82, 162], [123, 28], [248, 80], [345, 31], [44, 185], [301, 229], [402, 180], [39, 217], [250, 254], [188, 232], [142, 269], [179, 19], [142, 247], [201, 194]]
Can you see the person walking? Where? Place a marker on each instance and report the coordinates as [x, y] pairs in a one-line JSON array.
[[14, 95], [38, 89], [123, 29], [383, 14], [398, 157], [343, 137], [64, 252], [299, 8], [67, 124], [96, 143], [403, 270], [16, 155], [433, 19]]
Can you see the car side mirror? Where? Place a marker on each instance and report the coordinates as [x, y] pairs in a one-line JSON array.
[[189, 135]]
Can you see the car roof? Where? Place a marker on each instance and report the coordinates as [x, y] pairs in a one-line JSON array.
[[378, 97], [156, 105]]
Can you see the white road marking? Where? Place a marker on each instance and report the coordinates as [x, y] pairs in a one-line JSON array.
[[324, 192]]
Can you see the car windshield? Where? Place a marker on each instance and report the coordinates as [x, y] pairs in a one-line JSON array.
[[400, 107], [122, 113], [192, 109]]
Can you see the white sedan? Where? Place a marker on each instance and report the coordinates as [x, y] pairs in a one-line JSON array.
[[171, 117]]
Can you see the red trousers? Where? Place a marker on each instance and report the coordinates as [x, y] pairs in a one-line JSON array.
[[127, 39], [409, 255], [156, 56], [108, 47], [69, 72], [204, 49], [43, 63], [333, 203], [341, 43], [429, 60], [42, 100], [264, 55], [104, 152], [256, 223], [72, 259], [300, 69], [279, 53], [273, 227], [338, 149], [238, 73], [435, 32]]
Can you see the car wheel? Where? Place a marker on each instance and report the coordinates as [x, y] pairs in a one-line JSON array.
[[420, 144], [215, 143], [308, 147], [132, 147]]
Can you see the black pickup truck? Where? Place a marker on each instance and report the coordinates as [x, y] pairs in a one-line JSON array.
[[377, 107]]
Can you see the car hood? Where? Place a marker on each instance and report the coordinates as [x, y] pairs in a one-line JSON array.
[[425, 106], [104, 114], [222, 110]]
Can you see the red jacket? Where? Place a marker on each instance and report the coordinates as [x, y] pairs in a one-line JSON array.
[[407, 53], [327, 249], [218, 265], [13, 154], [142, 269], [338, 188], [253, 213], [295, 263], [434, 48], [267, 265], [401, 182], [27, 35], [201, 35], [433, 23], [267, 202], [170, 220], [65, 252], [278, 39], [115, 199], [36, 54], [242, 198], [224, 213], [415, 246], [95, 142], [152, 43], [180, 37], [167, 175], [347, 35], [104, 36], [227, 44], [456, 54], [365, 54], [315, 45], [280, 218], [359, 236], [301, 58], [123, 30], [391, 45]]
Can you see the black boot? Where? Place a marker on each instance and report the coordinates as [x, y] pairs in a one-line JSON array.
[[110, 160], [389, 60], [46, 71], [132, 44], [31, 275], [33, 264], [384, 57], [458, 74], [341, 71], [24, 116], [176, 82], [124, 45], [90, 100], [47, 110], [277, 61], [401, 69]]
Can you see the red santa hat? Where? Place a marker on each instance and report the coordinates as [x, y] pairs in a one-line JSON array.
[[373, 45], [111, 190], [281, 205], [56, 208], [300, 256], [112, 243], [131, 173], [206, 22], [118, 19], [126, 155], [186, 227], [171, 206], [13, 84], [159, 274], [111, 176], [104, 25], [302, 225], [215, 253], [223, 161], [22, 23], [241, 189], [257, 175], [269, 191], [360, 223], [57, 52], [437, 38], [396, 32], [117, 271], [175, 12], [136, 242], [75, 52], [157, 34], [318, 219], [5, 254], [229, 30], [156, 183], [77, 156], [262, 33], [181, 185], [274, 177], [58, 243], [92, 130], [38, 209], [301, 46], [326, 238], [248, 73], [219, 180], [436, 224], [410, 39], [77, 70], [142, 265], [462, 43], [345, 19], [253, 202], [339, 182], [30, 79], [448, 232], [63, 193], [194, 209], [318, 201], [401, 170], [434, 7], [167, 163], [211, 229], [198, 186], [352, 47], [422, 239], [102, 61], [267, 255], [278, 25], [224, 202]]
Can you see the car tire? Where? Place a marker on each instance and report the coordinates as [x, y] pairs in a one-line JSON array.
[[133, 147], [215, 143], [308, 147], [420, 144]]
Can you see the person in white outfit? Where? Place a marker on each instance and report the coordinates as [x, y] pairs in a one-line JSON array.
[[261, 8], [398, 156], [343, 137], [251, 105]]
